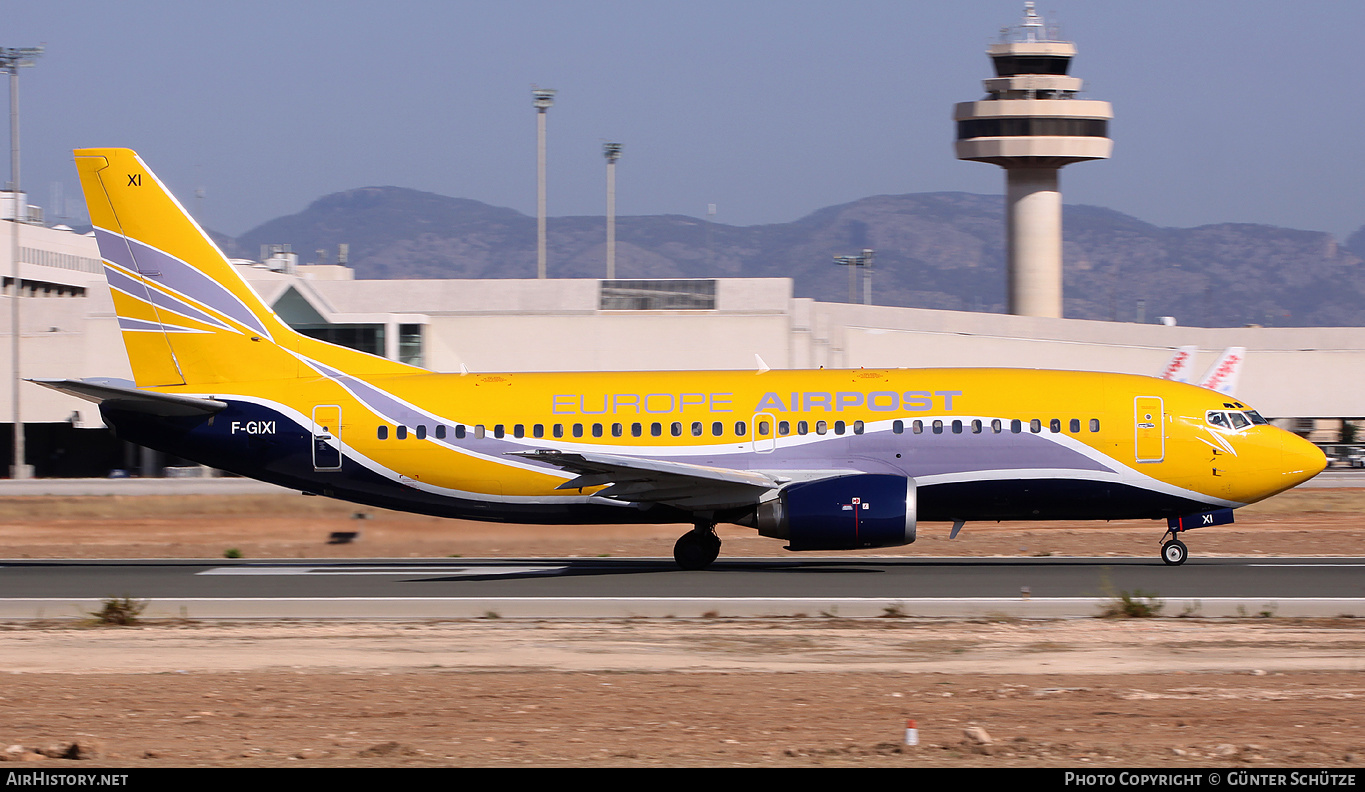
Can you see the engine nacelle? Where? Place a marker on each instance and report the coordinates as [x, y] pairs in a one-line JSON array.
[[844, 513]]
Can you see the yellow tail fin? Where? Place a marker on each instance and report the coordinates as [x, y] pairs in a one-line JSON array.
[[187, 316]]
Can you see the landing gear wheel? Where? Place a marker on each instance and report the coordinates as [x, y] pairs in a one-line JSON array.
[[696, 549], [1174, 552]]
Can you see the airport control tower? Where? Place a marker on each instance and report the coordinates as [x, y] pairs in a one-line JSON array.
[[1031, 124]]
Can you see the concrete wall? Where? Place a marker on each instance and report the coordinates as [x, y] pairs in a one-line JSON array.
[[555, 325]]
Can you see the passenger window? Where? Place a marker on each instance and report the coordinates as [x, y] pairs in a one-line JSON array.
[[838, 427], [518, 430], [422, 432], [656, 430], [597, 430], [676, 429], [459, 431], [697, 429], [1094, 424], [762, 429], [1035, 426], [784, 428], [498, 431], [957, 427], [479, 432], [857, 427], [558, 430], [538, 430], [740, 429], [636, 430], [1075, 425], [821, 427], [802, 428], [976, 427], [997, 426], [1016, 426], [917, 427], [440, 431], [617, 430], [401, 433], [898, 427], [938, 427], [1055, 425], [578, 430], [383, 432], [717, 429]]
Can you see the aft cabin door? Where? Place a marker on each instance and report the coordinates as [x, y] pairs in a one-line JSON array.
[[1149, 440], [327, 437]]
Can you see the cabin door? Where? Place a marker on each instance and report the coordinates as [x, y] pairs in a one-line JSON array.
[[1149, 439], [327, 437]]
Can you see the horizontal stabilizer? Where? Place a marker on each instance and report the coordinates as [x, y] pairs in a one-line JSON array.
[[131, 398]]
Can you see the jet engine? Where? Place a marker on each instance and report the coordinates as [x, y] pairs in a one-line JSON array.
[[844, 513]]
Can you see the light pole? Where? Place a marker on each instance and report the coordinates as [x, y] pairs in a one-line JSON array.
[[612, 151], [862, 261], [11, 59], [542, 98]]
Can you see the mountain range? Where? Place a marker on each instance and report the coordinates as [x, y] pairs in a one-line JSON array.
[[933, 250]]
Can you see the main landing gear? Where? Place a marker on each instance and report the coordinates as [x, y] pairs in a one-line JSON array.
[[697, 548], [1174, 552]]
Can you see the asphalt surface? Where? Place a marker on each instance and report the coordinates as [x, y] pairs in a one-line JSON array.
[[546, 588]]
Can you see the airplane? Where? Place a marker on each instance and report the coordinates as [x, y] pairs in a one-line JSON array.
[[826, 460], [1222, 376]]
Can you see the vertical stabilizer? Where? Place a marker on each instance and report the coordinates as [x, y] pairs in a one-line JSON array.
[[1180, 367], [1222, 375], [187, 316]]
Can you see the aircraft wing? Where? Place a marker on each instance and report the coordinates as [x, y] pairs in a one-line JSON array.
[[128, 397], [686, 486]]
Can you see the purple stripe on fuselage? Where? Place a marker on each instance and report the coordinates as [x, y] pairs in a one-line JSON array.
[[129, 285], [919, 455], [175, 275]]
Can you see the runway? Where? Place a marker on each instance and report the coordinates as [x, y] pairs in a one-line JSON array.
[[646, 587]]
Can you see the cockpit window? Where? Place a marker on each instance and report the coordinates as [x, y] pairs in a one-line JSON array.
[[1234, 419]]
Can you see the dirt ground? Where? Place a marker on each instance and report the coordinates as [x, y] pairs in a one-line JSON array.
[[708, 692]]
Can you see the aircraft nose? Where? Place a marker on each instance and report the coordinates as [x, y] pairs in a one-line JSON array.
[[1300, 459]]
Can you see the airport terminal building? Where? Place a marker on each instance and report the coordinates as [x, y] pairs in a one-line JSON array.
[[1306, 379]]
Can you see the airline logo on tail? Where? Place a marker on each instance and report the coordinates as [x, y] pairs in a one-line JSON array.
[[1180, 365], [1222, 376]]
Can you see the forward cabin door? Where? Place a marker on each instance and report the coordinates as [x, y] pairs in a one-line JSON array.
[[1149, 439], [327, 437]]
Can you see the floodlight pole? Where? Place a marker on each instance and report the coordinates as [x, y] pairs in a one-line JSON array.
[[542, 98], [612, 151], [11, 59], [862, 261]]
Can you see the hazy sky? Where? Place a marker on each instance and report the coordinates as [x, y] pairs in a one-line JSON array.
[[1225, 110]]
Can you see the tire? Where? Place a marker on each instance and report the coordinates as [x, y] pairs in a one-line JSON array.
[[1174, 552], [694, 551]]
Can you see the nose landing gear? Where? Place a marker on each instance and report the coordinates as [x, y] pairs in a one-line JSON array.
[[1174, 552]]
